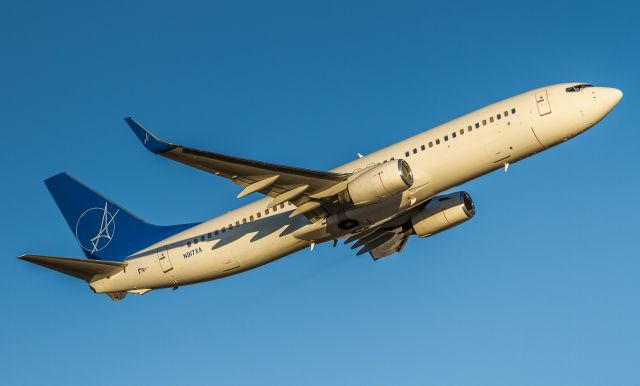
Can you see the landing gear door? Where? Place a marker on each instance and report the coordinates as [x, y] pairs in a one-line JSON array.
[[163, 258], [542, 101]]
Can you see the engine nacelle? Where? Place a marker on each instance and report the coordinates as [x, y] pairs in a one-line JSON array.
[[442, 213], [379, 182]]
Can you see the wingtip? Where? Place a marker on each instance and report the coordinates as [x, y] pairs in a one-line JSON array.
[[147, 138]]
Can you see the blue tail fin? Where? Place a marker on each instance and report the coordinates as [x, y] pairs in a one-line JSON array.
[[104, 230]]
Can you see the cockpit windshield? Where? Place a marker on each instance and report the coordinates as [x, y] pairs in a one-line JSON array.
[[578, 87]]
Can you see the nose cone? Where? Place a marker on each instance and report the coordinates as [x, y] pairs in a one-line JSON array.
[[611, 96]]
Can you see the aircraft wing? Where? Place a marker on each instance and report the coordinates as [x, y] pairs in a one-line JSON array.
[[379, 241], [308, 189]]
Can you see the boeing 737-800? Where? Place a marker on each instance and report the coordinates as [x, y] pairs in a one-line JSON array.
[[377, 202]]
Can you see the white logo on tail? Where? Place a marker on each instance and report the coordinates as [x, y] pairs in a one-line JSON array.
[[146, 138], [95, 228]]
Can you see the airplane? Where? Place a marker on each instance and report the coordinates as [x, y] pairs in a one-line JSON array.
[[377, 201]]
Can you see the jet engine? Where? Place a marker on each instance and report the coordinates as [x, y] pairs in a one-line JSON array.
[[379, 182], [443, 212]]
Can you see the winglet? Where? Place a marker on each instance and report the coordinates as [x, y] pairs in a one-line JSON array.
[[148, 139]]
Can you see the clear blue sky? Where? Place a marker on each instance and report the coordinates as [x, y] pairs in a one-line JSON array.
[[541, 288]]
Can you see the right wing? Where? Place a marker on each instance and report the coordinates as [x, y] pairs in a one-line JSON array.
[[309, 190], [380, 241]]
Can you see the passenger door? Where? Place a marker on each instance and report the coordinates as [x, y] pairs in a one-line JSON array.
[[163, 258], [542, 101]]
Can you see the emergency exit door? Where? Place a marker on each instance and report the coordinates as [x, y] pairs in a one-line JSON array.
[[542, 100], [163, 258]]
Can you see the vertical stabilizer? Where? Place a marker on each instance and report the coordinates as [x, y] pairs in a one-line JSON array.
[[103, 229]]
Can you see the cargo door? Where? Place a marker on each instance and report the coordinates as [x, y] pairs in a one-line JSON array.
[[163, 258], [230, 263], [542, 101]]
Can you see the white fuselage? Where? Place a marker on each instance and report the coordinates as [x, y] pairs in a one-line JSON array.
[[443, 157]]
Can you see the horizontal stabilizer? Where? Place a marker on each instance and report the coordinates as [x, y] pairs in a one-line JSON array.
[[80, 268]]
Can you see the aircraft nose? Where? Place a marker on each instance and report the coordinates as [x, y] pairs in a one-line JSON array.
[[611, 96], [617, 95]]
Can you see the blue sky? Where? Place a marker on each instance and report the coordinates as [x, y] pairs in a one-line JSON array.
[[540, 288]]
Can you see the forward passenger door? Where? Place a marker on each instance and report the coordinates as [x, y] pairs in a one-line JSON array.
[[542, 101]]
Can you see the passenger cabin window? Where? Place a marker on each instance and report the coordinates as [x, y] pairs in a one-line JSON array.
[[415, 151], [438, 141], [506, 114], [195, 241], [461, 131], [406, 153], [469, 128], [209, 235], [513, 111], [259, 214], [484, 122], [477, 125], [453, 135], [188, 244], [499, 116], [223, 229], [216, 232], [202, 238], [422, 147], [244, 220], [251, 218], [491, 119], [446, 137]]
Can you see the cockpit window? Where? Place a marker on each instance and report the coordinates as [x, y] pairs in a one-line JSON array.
[[578, 87]]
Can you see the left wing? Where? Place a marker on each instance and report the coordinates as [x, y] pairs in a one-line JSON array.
[[309, 190]]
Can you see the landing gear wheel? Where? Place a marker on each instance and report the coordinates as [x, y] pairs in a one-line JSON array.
[[347, 224]]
